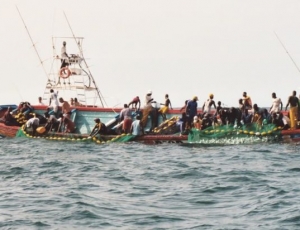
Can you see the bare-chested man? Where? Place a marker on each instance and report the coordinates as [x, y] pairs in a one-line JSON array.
[[208, 103], [65, 107], [293, 103]]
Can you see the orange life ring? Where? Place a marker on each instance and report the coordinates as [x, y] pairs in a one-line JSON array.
[[64, 72]]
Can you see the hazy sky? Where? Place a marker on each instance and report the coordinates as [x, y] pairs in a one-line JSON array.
[[180, 47]]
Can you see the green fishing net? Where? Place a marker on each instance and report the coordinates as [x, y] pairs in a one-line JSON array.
[[230, 134]]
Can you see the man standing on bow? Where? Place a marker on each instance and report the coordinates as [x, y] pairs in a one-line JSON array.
[[293, 102]]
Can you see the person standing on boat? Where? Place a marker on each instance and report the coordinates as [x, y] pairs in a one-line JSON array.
[[247, 101], [134, 103], [208, 103], [276, 103], [165, 107], [191, 110], [64, 56], [65, 107], [147, 108], [53, 101], [293, 102], [126, 117]]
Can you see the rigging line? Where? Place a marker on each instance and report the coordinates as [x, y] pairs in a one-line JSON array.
[[33, 43], [287, 52], [97, 89]]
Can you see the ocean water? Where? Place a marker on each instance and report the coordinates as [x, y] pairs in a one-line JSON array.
[[73, 185]]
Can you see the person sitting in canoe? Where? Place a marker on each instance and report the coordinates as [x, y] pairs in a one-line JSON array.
[[8, 119], [136, 128], [135, 101], [99, 128], [26, 109], [257, 115], [197, 123]]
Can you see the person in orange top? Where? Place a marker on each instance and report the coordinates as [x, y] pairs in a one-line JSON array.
[[247, 101], [197, 123]]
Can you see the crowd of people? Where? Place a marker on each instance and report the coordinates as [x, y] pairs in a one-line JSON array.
[[246, 113], [133, 119], [212, 113]]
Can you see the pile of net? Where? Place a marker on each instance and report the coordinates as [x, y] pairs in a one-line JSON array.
[[228, 134], [167, 127]]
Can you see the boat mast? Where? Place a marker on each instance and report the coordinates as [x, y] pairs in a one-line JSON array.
[[79, 47], [287, 52], [33, 44]]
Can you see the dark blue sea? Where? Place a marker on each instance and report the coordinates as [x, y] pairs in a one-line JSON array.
[[74, 185]]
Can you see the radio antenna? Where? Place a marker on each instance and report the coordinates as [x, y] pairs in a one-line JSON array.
[[33, 43], [287, 52]]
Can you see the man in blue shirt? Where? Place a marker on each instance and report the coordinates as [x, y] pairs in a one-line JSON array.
[[191, 110]]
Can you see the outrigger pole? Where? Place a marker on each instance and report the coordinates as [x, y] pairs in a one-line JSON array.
[[97, 89], [287, 52], [33, 44]]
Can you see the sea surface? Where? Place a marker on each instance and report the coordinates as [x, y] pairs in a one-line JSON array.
[[74, 185]]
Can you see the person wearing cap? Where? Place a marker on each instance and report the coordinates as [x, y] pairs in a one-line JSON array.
[[148, 108], [197, 123], [64, 55], [165, 107], [191, 110], [247, 101], [99, 128], [208, 103], [135, 101], [148, 99]]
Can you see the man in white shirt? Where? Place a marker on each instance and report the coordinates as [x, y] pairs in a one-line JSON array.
[[275, 105], [148, 99], [64, 55], [41, 101], [32, 123], [53, 101]]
